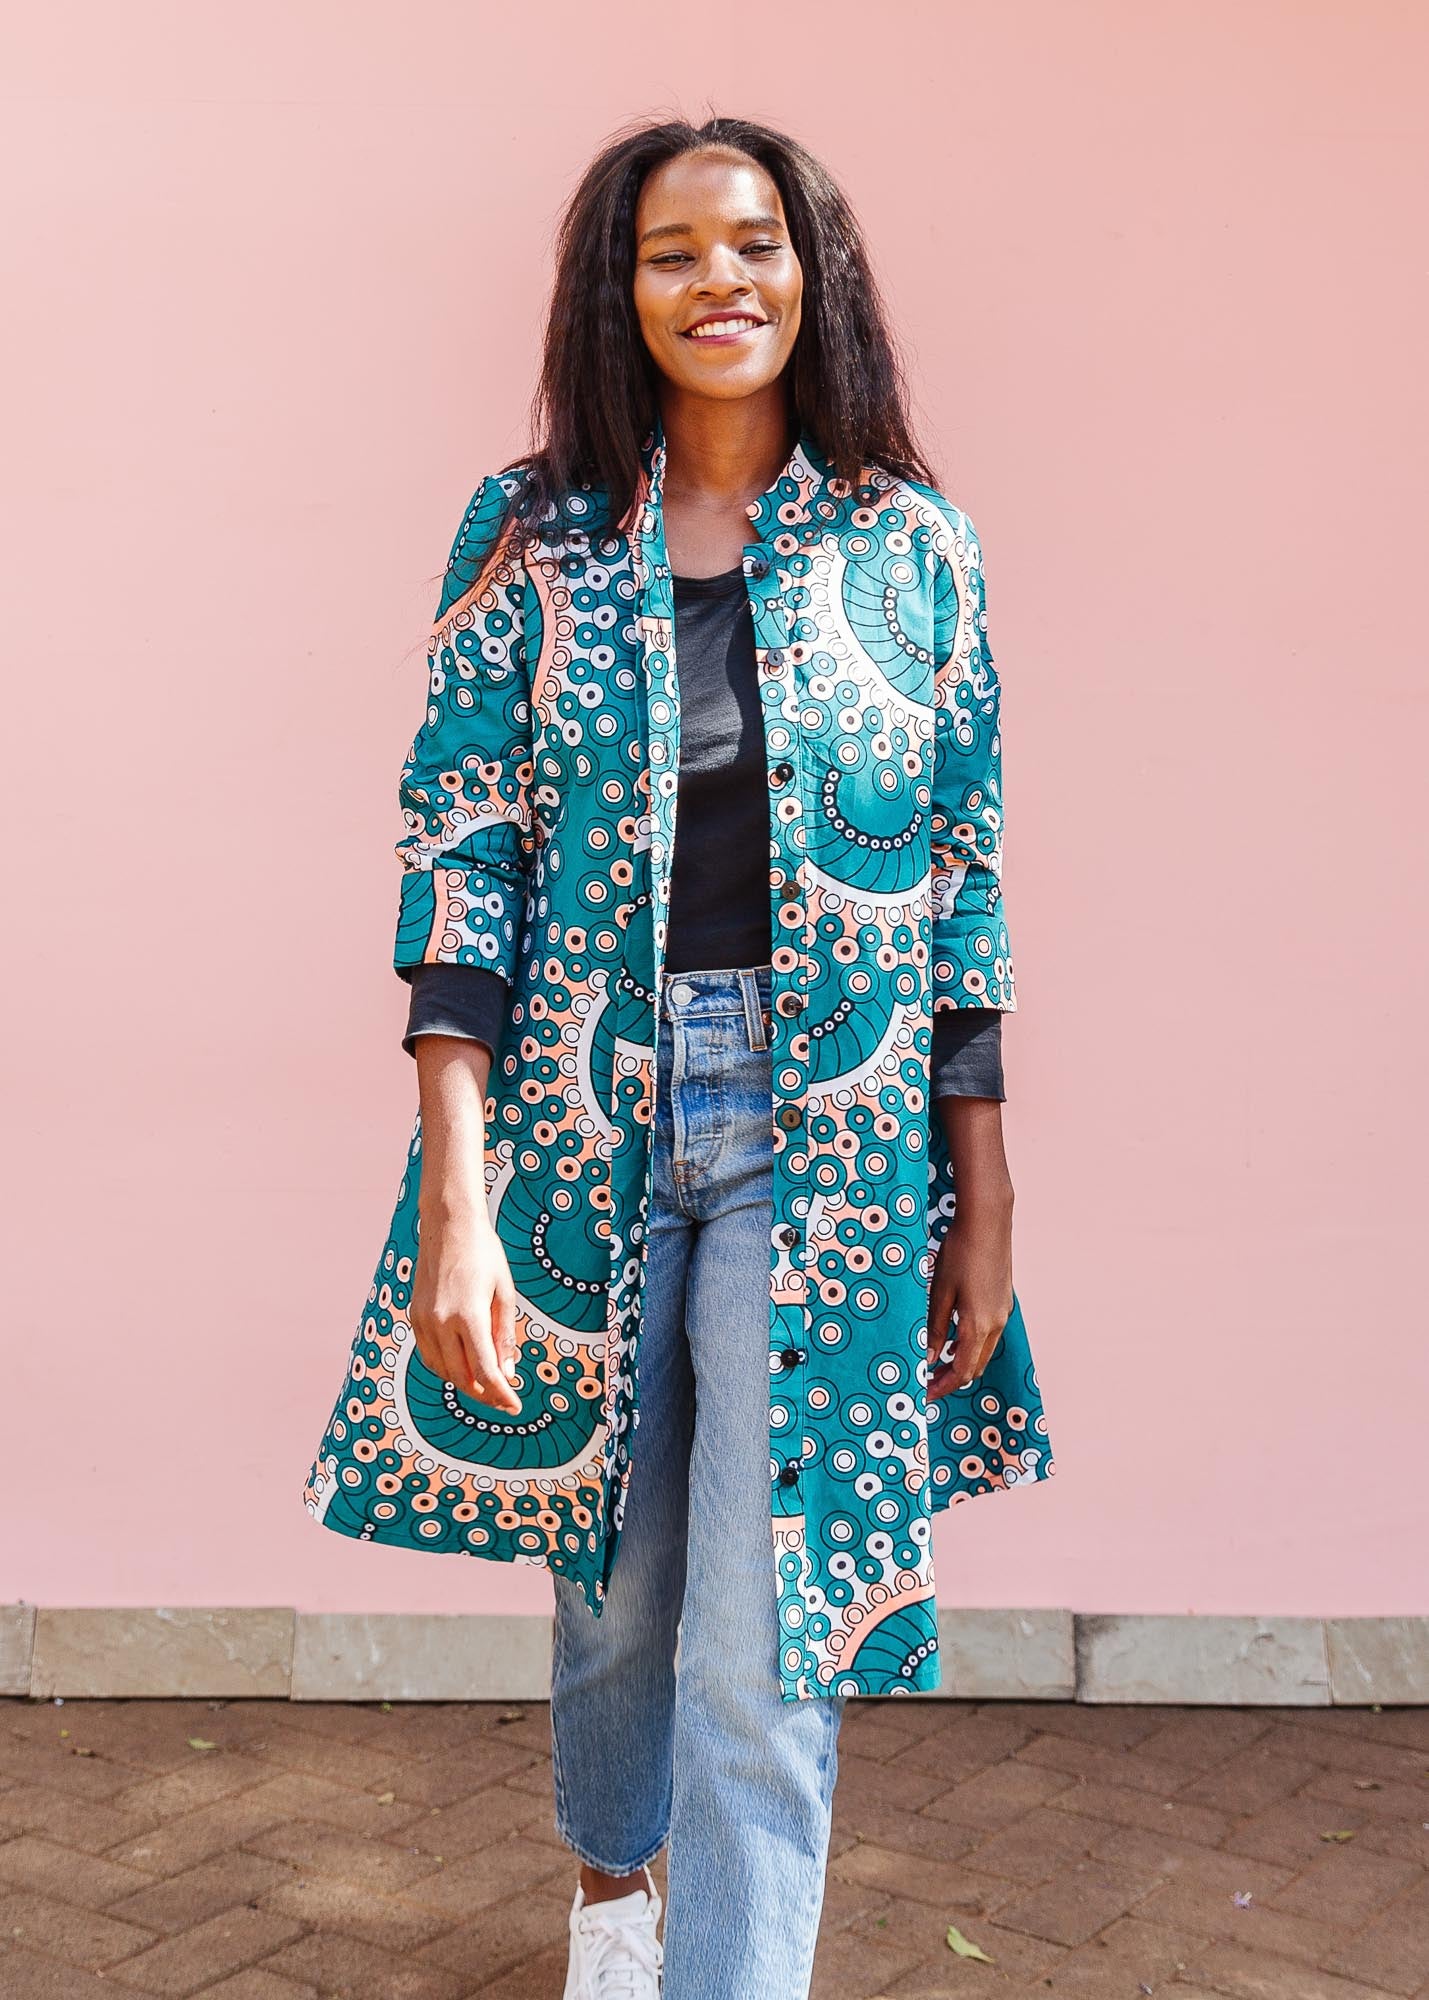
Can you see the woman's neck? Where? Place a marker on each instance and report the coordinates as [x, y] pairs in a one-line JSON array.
[[719, 455]]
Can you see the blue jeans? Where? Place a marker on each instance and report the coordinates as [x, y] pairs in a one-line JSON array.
[[696, 1745]]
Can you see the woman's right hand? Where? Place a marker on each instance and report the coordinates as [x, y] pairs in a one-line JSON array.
[[463, 1310]]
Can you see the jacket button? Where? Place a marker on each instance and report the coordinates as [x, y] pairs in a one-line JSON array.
[[788, 890], [774, 658], [759, 566], [790, 1357], [789, 1004], [781, 774], [788, 1474], [790, 1115], [788, 1236]]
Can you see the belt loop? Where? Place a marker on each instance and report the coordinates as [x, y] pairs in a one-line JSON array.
[[753, 1017]]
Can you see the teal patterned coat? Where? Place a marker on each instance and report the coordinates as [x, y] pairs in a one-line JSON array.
[[539, 798]]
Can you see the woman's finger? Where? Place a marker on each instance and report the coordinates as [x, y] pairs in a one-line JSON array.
[[503, 1327]]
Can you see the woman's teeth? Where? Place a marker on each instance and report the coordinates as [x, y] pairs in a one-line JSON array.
[[716, 326]]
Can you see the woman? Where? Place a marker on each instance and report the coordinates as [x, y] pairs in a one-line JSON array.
[[676, 1168]]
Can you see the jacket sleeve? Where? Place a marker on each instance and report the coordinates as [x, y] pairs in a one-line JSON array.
[[465, 788], [971, 955]]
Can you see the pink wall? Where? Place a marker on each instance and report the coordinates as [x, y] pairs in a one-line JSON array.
[[1160, 271]]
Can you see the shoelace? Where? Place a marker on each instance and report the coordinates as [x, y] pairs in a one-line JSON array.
[[620, 1949]]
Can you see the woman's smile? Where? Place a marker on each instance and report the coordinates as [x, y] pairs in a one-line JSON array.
[[714, 332]]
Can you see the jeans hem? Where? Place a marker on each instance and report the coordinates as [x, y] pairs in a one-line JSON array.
[[593, 1860]]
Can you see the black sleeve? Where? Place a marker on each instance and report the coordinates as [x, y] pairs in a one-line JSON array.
[[465, 1000], [967, 1053]]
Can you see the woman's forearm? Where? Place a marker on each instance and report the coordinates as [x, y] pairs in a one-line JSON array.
[[973, 1129], [452, 1073]]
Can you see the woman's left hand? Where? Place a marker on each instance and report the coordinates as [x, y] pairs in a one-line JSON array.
[[972, 1277]]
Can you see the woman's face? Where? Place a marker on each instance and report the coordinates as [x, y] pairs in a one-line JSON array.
[[711, 246]]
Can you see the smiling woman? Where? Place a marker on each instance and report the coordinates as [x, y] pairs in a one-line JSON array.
[[701, 907]]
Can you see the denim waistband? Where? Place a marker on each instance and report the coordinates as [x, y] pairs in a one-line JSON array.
[[725, 990]]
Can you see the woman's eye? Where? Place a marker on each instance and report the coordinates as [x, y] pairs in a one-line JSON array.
[[754, 249]]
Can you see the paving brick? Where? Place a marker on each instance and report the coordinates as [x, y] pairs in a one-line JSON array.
[[502, 1938], [1393, 1951], [55, 1768], [1078, 1902], [998, 1796], [87, 1824], [912, 1833], [258, 1984], [972, 1743], [1347, 1886], [1164, 1855], [1250, 1781], [379, 1865], [1037, 1847], [294, 1795], [1201, 1738], [444, 1781], [1015, 1957], [207, 1777], [360, 1766], [487, 1816], [1362, 1758], [83, 1937], [146, 1736], [25, 1975], [1104, 1728], [203, 1955], [179, 1844], [878, 1738], [1288, 1833], [536, 1779], [906, 1786], [511, 1868], [538, 1978], [850, 1902], [1233, 1969], [1126, 1958], [850, 1966], [1090, 1760], [199, 1893], [324, 1903], [32, 1863], [1387, 1801], [362, 1972], [1201, 1906], [1095, 1800], [948, 1884], [1408, 1839]]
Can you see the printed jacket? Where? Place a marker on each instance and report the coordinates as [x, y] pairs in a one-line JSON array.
[[539, 799]]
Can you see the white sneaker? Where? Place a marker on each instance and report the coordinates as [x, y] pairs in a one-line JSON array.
[[615, 1954]]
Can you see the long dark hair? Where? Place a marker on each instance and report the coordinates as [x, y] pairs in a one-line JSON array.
[[596, 398]]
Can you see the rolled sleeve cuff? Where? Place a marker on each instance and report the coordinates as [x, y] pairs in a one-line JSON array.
[[467, 1001], [966, 1058]]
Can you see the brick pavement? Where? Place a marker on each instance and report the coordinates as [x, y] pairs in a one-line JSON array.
[[274, 1851]]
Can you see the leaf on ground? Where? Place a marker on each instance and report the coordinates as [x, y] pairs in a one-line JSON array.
[[1368, 1785], [201, 1743], [965, 1948], [386, 1798], [1340, 1833]]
